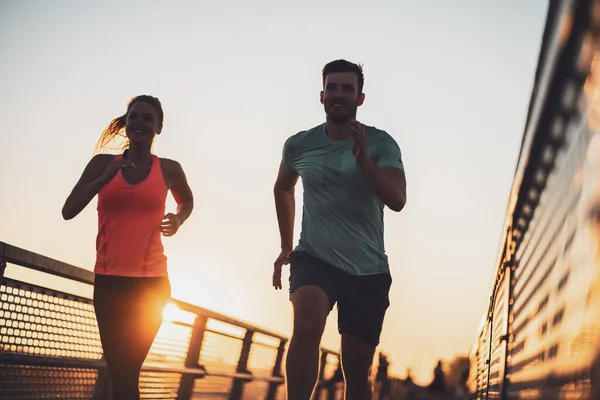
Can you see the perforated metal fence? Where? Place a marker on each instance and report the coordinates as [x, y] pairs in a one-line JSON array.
[[50, 346], [540, 337]]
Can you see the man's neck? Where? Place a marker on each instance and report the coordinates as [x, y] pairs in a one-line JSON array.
[[337, 131]]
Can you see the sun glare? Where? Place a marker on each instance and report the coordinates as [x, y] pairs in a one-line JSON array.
[[172, 313]]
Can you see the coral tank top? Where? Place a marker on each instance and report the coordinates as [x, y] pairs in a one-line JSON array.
[[129, 216]]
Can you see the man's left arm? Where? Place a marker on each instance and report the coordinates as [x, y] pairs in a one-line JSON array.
[[384, 171]]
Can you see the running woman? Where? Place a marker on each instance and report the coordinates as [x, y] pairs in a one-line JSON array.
[[131, 280]]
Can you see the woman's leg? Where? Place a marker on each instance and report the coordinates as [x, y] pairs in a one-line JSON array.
[[143, 323], [129, 314], [111, 306]]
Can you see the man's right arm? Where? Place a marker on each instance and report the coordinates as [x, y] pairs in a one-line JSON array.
[[285, 204]]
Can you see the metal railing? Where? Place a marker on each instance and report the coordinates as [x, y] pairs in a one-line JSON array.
[[540, 336], [50, 345]]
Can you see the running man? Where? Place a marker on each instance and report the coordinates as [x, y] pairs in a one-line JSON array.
[[349, 172]]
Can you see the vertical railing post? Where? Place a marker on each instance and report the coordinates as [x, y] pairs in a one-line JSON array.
[[490, 346], [273, 386], [506, 337], [237, 389], [192, 360], [2, 259], [510, 269]]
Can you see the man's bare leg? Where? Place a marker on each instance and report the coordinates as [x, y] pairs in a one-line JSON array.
[[311, 307], [357, 359]]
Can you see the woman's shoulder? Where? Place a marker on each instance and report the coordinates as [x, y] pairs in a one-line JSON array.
[[101, 160], [172, 171], [168, 164], [103, 157]]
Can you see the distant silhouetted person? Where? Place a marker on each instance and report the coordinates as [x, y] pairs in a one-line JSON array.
[[131, 281], [382, 367], [383, 377], [411, 389], [408, 379], [438, 384], [349, 171]]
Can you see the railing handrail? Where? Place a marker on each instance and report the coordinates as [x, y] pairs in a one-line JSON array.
[[100, 364], [28, 259], [562, 72], [192, 369], [549, 52], [185, 306]]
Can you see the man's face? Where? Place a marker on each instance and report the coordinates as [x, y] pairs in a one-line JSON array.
[[340, 96]]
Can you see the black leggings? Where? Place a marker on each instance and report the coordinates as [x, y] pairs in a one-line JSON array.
[[129, 314]]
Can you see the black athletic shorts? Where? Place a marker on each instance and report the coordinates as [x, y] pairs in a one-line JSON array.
[[362, 300]]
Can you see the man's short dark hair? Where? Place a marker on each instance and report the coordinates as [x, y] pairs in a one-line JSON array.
[[345, 66]]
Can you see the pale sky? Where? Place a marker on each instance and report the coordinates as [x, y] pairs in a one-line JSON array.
[[449, 80]]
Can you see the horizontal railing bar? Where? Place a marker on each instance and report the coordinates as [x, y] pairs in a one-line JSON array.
[[211, 394], [224, 318], [175, 370], [25, 258], [28, 259], [45, 361], [249, 377], [229, 335], [268, 346], [180, 323], [225, 334]]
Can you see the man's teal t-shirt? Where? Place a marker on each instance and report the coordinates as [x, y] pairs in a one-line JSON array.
[[342, 217]]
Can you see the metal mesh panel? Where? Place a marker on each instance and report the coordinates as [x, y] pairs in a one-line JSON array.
[[220, 353], [155, 386], [255, 390], [170, 346], [44, 322], [580, 389], [262, 359], [281, 393], [50, 349], [30, 382], [168, 350], [212, 387]]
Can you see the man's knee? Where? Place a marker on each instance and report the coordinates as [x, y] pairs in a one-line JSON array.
[[357, 359], [311, 308], [309, 327]]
